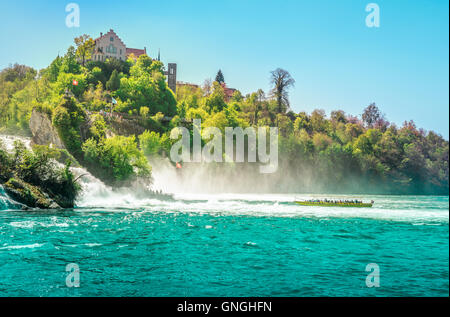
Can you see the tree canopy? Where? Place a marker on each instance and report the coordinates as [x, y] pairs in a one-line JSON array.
[[85, 46], [317, 151], [282, 81]]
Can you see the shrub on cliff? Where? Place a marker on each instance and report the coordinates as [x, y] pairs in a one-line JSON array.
[[5, 164], [37, 174], [98, 127], [116, 159], [114, 81], [67, 118]]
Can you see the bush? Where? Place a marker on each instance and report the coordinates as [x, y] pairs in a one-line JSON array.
[[98, 128], [146, 86], [114, 81], [153, 143], [39, 168], [5, 164], [67, 118], [116, 159]]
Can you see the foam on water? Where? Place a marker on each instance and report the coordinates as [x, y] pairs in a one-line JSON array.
[[27, 246], [95, 194], [398, 208], [8, 141], [6, 202], [386, 207]]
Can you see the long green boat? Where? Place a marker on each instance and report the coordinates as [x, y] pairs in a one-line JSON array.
[[334, 204]]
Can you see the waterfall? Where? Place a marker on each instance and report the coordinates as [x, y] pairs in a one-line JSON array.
[[94, 192], [6, 203], [8, 141]]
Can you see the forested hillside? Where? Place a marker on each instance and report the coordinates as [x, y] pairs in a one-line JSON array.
[[340, 152]]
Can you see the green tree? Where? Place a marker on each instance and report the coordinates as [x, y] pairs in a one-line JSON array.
[[318, 121], [67, 118], [371, 115], [118, 158], [215, 102], [302, 122], [338, 116], [85, 47], [282, 81], [153, 143], [146, 86], [219, 77], [114, 81]]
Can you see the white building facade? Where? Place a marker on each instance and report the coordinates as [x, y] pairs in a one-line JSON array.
[[109, 45]]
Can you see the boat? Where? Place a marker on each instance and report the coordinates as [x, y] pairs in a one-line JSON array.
[[335, 203]]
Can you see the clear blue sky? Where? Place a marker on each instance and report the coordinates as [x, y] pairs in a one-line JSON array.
[[337, 62]]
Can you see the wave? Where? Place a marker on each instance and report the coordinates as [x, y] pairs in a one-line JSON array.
[[7, 203], [27, 246]]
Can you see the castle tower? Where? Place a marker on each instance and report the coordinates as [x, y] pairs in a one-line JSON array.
[[172, 77]]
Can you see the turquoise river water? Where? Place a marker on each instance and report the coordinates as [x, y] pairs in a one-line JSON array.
[[226, 245]]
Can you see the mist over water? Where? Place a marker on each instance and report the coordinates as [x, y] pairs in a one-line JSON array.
[[196, 190], [236, 189]]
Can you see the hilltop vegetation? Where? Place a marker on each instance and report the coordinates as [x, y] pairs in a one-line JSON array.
[[340, 152]]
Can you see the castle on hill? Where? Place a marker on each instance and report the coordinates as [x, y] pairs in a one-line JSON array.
[[110, 45]]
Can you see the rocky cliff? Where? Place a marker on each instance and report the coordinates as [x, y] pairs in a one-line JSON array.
[[43, 131]]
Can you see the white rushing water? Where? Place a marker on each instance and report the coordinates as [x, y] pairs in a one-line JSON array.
[[95, 194], [8, 141], [416, 209]]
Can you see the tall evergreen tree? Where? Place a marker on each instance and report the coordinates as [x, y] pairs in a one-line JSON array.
[[114, 81], [219, 77]]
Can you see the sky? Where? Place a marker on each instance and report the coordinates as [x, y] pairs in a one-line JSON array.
[[336, 60]]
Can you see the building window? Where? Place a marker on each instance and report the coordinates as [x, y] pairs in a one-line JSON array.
[[111, 39], [171, 71], [111, 49]]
